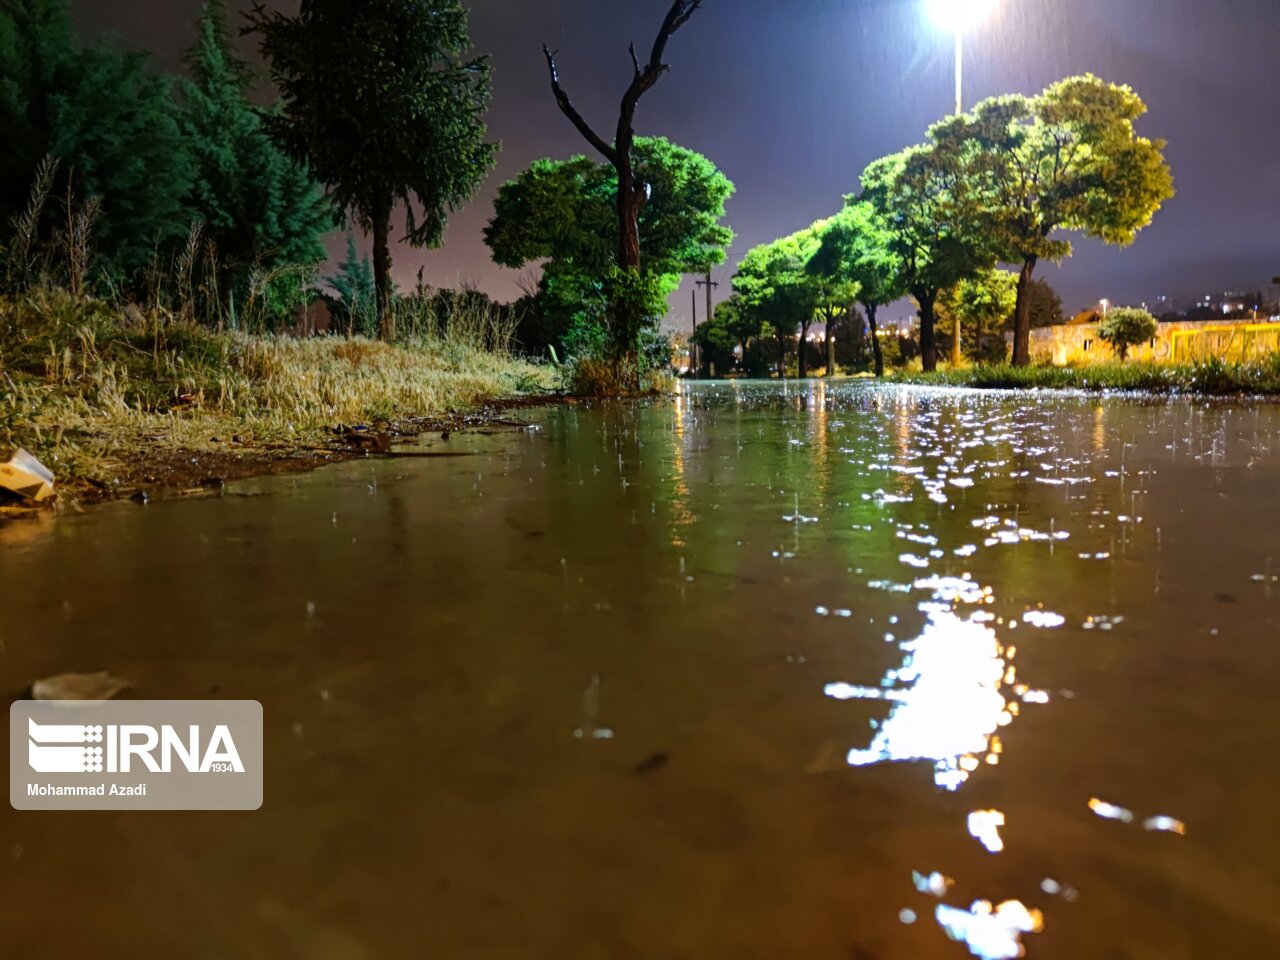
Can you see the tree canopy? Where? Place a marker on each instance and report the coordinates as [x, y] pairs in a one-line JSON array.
[[1126, 327], [778, 291], [981, 305], [561, 214], [385, 102], [1066, 160], [857, 245], [630, 295], [107, 117], [562, 211], [933, 232]]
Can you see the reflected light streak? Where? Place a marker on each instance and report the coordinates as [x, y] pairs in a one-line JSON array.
[[681, 515], [952, 703], [991, 934]]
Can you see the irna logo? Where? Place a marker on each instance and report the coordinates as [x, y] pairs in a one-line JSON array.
[[130, 748]]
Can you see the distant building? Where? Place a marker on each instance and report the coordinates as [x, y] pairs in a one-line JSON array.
[[1077, 343]]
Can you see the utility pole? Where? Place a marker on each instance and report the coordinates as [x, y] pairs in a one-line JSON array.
[[710, 285], [693, 347]]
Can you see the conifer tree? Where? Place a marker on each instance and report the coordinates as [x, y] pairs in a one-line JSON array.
[[385, 100], [259, 207], [107, 117], [354, 304]]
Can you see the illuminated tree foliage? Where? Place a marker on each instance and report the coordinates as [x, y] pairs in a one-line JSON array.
[[1066, 160], [385, 103], [1127, 327], [934, 234], [629, 296], [981, 305], [856, 246], [561, 213], [778, 292]]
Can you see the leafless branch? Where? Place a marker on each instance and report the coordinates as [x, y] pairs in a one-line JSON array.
[[570, 111], [647, 78]]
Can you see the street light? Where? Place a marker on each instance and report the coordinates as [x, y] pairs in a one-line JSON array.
[[959, 16]]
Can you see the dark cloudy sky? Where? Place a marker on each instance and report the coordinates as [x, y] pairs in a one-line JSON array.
[[792, 98]]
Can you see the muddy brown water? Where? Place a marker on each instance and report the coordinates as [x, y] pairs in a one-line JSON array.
[[725, 676]]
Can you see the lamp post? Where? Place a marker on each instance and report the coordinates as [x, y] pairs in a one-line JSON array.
[[959, 16]]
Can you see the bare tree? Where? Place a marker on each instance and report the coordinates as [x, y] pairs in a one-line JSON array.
[[632, 193]]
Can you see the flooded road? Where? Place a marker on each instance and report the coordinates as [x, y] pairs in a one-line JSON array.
[[766, 671]]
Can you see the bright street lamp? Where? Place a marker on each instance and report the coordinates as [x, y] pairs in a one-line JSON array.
[[959, 16]]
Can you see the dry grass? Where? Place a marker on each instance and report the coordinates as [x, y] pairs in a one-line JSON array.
[[595, 377], [82, 383]]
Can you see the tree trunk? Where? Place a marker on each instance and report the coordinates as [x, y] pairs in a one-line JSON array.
[[630, 202], [782, 353], [928, 334], [876, 352], [627, 316], [956, 352], [802, 349], [382, 273], [1022, 315], [831, 347]]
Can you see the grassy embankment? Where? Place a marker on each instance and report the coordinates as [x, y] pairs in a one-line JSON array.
[[1206, 378], [97, 392]]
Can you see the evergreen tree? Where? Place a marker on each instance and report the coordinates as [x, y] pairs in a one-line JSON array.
[[385, 103], [354, 305], [109, 119], [259, 206]]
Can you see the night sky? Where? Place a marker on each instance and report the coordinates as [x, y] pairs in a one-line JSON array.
[[792, 98]]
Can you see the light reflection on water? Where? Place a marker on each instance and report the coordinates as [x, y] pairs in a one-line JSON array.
[[948, 701]]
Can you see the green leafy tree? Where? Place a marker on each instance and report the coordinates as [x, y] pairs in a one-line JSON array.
[[354, 303], [976, 309], [259, 207], [107, 117], [629, 296], [560, 213], [1127, 327], [835, 292], [857, 246], [385, 104], [720, 336], [778, 291], [933, 234], [1066, 160]]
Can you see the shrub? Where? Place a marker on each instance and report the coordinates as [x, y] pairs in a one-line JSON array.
[[1127, 327]]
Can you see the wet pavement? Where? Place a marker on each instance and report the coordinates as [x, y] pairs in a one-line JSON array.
[[765, 671]]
